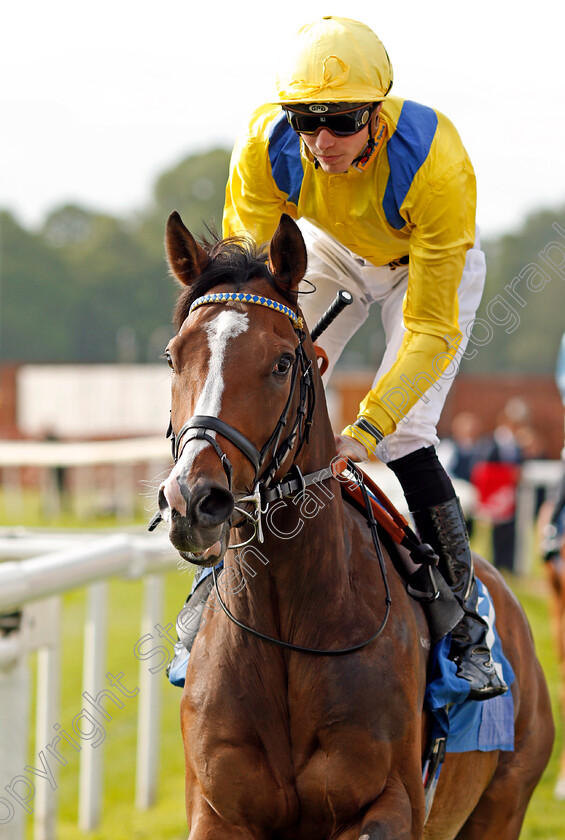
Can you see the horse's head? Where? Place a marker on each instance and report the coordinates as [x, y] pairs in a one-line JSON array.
[[240, 404]]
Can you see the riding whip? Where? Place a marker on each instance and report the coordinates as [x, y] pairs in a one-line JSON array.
[[342, 299]]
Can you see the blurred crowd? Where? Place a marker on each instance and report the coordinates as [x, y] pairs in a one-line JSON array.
[[491, 464]]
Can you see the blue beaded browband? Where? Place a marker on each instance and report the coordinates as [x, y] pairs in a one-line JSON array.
[[245, 297]]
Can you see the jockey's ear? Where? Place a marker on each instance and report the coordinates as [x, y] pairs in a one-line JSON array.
[[287, 253], [187, 259]]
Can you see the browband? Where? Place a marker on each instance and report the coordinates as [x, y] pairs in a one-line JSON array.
[[245, 297]]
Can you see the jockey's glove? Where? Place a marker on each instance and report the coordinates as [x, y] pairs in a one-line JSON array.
[[350, 448], [364, 433]]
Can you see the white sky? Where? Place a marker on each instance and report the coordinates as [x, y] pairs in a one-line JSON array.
[[97, 100]]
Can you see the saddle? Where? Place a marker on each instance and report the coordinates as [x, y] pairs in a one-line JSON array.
[[415, 561]]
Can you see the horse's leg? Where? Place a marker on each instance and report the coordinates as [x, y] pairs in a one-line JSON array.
[[498, 816], [560, 622], [501, 809], [393, 816], [206, 824]]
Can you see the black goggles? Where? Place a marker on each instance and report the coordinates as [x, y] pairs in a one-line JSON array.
[[340, 124]]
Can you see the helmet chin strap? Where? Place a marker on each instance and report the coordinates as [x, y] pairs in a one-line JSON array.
[[367, 151], [377, 136]]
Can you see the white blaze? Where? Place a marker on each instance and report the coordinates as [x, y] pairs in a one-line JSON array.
[[228, 324]]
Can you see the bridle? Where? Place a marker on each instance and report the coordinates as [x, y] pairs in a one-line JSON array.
[[265, 488], [200, 427]]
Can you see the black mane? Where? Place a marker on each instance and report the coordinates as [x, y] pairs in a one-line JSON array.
[[235, 261]]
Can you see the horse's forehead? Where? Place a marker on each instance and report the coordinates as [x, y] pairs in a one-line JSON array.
[[218, 326], [223, 323], [228, 323]]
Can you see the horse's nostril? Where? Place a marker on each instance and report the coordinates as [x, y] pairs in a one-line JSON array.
[[216, 506]]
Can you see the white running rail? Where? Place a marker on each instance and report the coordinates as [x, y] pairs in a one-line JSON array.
[[48, 566]]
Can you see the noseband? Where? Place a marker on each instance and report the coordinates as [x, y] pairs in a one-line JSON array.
[[200, 427]]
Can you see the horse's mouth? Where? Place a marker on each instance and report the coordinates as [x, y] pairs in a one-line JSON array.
[[206, 557]]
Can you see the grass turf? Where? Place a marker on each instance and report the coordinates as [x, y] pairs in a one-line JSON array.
[[166, 820]]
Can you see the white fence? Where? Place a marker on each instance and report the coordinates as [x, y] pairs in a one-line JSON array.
[[122, 458], [38, 571], [534, 476]]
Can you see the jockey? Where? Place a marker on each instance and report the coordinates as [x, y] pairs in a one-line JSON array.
[[384, 193], [554, 532]]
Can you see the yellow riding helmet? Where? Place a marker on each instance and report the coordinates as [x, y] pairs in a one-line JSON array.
[[335, 60]]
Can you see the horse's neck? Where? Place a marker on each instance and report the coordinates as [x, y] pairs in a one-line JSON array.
[[316, 518], [304, 557]]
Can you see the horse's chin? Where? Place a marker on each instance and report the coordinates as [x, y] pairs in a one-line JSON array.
[[209, 556]]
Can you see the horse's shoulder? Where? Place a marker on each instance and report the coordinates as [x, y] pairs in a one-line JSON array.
[[501, 594]]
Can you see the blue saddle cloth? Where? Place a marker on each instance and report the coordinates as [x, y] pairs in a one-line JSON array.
[[470, 724]]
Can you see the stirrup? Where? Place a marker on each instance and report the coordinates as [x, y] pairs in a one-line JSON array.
[[482, 676], [473, 658]]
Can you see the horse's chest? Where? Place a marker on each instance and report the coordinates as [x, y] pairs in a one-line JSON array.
[[315, 740]]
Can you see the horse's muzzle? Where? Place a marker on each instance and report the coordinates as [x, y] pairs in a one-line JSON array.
[[198, 518]]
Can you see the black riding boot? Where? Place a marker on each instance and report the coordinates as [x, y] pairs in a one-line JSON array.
[[443, 527]]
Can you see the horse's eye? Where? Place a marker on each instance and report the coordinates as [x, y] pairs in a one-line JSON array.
[[169, 359], [283, 365]]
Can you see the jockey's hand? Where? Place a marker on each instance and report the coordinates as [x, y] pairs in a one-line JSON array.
[[348, 447]]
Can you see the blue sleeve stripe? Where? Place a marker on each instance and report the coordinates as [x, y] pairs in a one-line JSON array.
[[407, 150], [284, 154]]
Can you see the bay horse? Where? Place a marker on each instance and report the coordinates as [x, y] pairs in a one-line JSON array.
[[555, 576], [295, 724]]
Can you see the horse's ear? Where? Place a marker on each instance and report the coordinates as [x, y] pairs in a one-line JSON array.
[[187, 259], [287, 253]]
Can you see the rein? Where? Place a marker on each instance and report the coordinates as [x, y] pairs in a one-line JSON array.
[[373, 525]]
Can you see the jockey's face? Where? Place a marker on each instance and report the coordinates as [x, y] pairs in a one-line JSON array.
[[336, 154]]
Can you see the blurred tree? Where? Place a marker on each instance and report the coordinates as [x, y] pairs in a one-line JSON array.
[[91, 287], [35, 309], [522, 304], [196, 189], [116, 285]]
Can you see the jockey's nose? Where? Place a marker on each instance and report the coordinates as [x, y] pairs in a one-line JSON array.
[[324, 139]]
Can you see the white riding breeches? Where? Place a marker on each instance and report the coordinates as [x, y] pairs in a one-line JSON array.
[[332, 266]]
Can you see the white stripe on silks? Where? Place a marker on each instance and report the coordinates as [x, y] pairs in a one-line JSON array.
[[485, 608]]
